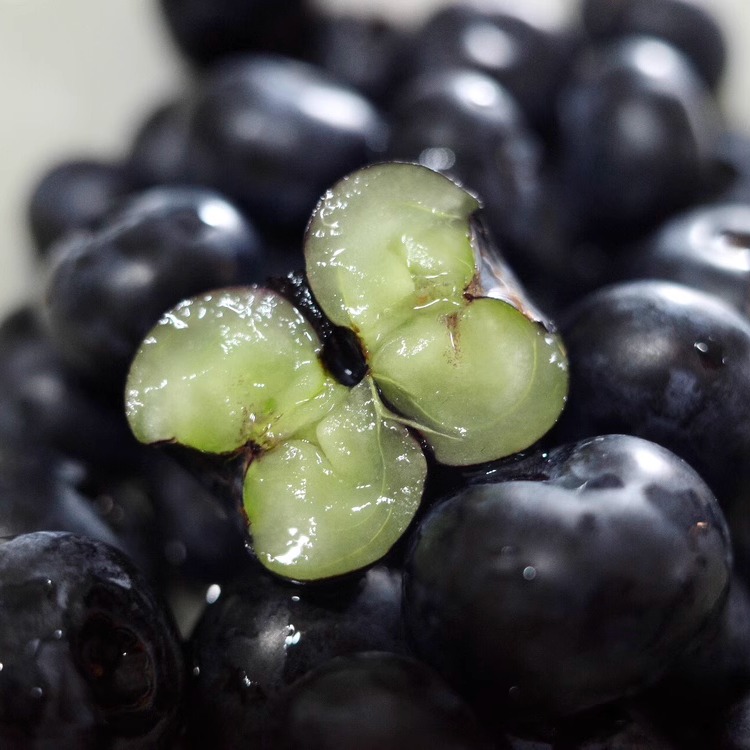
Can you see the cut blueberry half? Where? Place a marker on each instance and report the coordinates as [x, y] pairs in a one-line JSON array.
[[332, 481], [391, 253]]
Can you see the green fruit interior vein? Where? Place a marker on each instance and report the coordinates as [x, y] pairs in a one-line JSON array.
[[390, 253], [333, 481]]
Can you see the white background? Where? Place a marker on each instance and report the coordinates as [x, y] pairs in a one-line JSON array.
[[77, 76]]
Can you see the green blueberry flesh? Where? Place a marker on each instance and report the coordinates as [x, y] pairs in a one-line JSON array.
[[391, 254], [332, 481], [352, 486], [227, 368]]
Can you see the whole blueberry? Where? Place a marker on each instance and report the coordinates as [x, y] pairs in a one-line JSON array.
[[90, 658]]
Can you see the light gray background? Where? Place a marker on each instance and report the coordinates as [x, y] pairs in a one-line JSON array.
[[77, 76]]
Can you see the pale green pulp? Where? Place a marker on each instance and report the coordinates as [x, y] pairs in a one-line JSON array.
[[389, 253]]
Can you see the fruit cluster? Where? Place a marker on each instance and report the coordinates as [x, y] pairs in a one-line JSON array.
[[393, 392]]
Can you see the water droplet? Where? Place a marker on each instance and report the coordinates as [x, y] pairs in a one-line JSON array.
[[36, 692], [710, 353], [57, 634], [529, 572], [196, 671], [213, 593], [513, 691]]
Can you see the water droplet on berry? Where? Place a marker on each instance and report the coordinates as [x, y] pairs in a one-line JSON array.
[[529, 572], [213, 593], [710, 353]]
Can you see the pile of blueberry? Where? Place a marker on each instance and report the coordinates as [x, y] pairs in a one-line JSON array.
[[393, 392]]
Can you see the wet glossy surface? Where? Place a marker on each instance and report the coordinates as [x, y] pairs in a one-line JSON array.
[[707, 248], [667, 363], [688, 24], [89, 657], [273, 134], [543, 596], [106, 289], [637, 130], [262, 634]]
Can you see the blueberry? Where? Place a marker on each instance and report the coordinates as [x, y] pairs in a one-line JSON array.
[[538, 599], [90, 659], [689, 25], [345, 702], [106, 289], [637, 129], [74, 195], [262, 634]]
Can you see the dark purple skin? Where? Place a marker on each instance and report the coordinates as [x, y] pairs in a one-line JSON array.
[[690, 25], [365, 53], [74, 195], [205, 32], [667, 363], [689, 702], [159, 149], [545, 596], [107, 289], [527, 58], [637, 133], [373, 701], [40, 491], [91, 659], [732, 728], [274, 133], [44, 403], [263, 634], [201, 540], [705, 247]]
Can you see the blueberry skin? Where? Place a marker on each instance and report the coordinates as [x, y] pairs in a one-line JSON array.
[[364, 53], [90, 657], [44, 404], [667, 363], [706, 681], [74, 195], [373, 701], [274, 133], [107, 289], [159, 150], [207, 31], [263, 634], [689, 25], [526, 57], [540, 599], [706, 248], [637, 130]]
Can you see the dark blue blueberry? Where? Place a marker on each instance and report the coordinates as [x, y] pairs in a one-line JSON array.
[[90, 658], [74, 195], [262, 634], [690, 25], [373, 701], [365, 53], [159, 150], [520, 50], [538, 599], [637, 133], [107, 289], [274, 133], [667, 363], [208, 31], [707, 247]]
